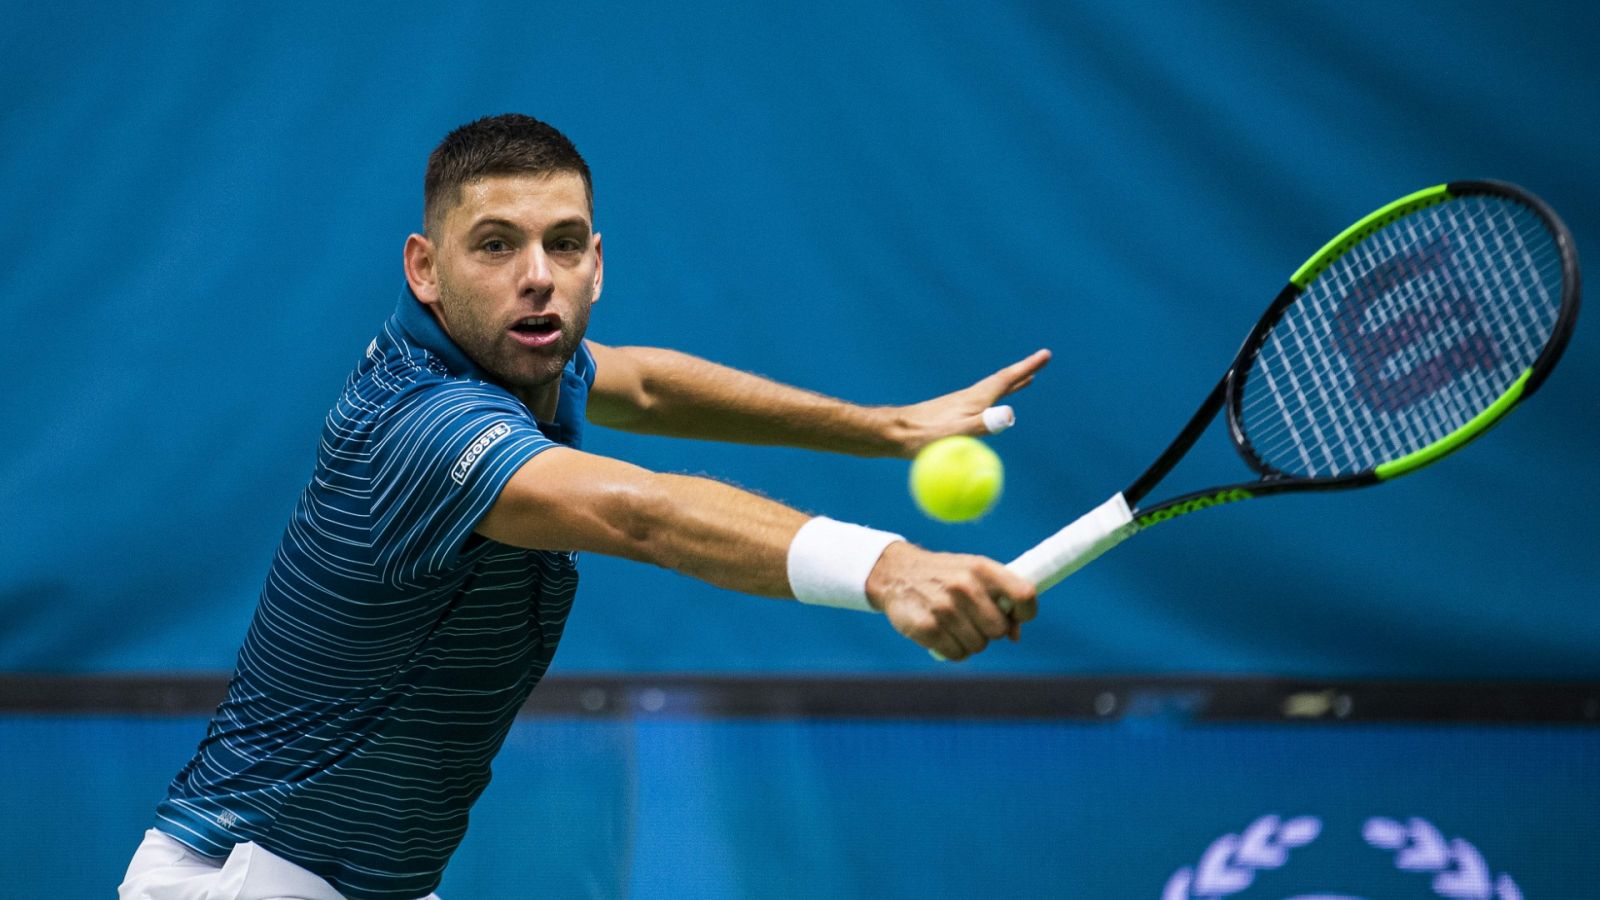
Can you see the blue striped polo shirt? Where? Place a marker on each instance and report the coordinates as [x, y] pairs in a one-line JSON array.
[[392, 646]]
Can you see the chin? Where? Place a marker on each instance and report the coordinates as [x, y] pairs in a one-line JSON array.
[[532, 377], [531, 381]]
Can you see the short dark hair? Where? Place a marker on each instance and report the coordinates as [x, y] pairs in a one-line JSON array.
[[510, 144]]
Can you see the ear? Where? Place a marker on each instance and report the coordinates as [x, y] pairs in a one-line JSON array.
[[422, 268], [599, 268]]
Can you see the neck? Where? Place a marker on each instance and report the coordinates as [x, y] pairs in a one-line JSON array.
[[542, 400]]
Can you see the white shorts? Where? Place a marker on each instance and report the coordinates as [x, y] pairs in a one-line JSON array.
[[164, 869]]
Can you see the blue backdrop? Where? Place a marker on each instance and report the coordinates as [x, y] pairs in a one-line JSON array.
[[663, 807], [205, 208]]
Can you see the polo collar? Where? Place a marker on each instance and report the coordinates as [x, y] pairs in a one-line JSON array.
[[426, 332]]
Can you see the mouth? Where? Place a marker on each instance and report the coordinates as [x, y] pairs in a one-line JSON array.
[[536, 331]]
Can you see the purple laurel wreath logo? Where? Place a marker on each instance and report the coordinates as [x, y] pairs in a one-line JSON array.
[[1459, 870], [1230, 864]]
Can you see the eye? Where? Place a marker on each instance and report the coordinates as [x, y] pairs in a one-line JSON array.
[[496, 245], [566, 245]]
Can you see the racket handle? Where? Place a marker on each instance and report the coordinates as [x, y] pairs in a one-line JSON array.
[[1071, 548], [1076, 545]]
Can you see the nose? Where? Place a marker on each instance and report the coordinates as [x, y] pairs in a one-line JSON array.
[[534, 275]]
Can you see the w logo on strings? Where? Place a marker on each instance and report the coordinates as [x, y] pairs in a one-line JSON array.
[[1421, 349]]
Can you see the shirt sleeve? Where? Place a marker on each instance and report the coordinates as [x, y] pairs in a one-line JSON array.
[[442, 459]]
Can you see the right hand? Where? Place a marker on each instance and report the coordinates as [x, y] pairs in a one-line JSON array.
[[949, 603]]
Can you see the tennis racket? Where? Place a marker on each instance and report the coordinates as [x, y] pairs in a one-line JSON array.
[[1405, 337]]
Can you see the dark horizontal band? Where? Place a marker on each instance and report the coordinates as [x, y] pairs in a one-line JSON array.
[[1177, 698]]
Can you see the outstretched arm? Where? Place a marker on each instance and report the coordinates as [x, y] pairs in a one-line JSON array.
[[565, 499], [657, 391]]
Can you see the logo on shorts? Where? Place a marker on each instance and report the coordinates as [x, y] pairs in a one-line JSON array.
[[481, 445]]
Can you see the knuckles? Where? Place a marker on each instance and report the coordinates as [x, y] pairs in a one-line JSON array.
[[959, 595]]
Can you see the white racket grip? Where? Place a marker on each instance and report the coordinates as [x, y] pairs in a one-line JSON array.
[[1076, 545], [1071, 548]]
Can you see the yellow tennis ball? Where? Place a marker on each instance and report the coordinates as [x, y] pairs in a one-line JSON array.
[[956, 479]]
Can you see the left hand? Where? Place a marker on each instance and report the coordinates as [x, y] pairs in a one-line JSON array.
[[961, 412]]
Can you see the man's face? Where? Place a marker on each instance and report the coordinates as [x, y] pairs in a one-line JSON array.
[[515, 267]]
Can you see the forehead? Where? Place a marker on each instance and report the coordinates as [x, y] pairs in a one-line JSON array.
[[530, 201]]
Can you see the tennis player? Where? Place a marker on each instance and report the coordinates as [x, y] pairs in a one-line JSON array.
[[423, 582]]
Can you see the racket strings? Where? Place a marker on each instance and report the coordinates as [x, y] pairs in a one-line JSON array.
[[1404, 338]]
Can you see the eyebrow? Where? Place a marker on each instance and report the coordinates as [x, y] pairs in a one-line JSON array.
[[494, 222]]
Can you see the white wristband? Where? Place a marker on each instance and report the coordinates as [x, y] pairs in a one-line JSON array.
[[829, 562]]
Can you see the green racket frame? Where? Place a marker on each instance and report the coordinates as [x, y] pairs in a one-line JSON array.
[[1229, 392]]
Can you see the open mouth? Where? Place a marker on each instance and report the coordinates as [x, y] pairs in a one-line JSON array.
[[536, 331], [537, 325]]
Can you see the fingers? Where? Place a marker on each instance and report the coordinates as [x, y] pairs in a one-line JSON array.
[[970, 411], [1015, 376], [983, 611], [956, 605], [962, 621], [945, 642], [964, 638], [1016, 596]]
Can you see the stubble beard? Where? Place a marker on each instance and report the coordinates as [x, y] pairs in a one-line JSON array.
[[519, 369]]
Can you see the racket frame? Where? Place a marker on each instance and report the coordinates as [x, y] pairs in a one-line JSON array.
[[1229, 391], [1120, 517]]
